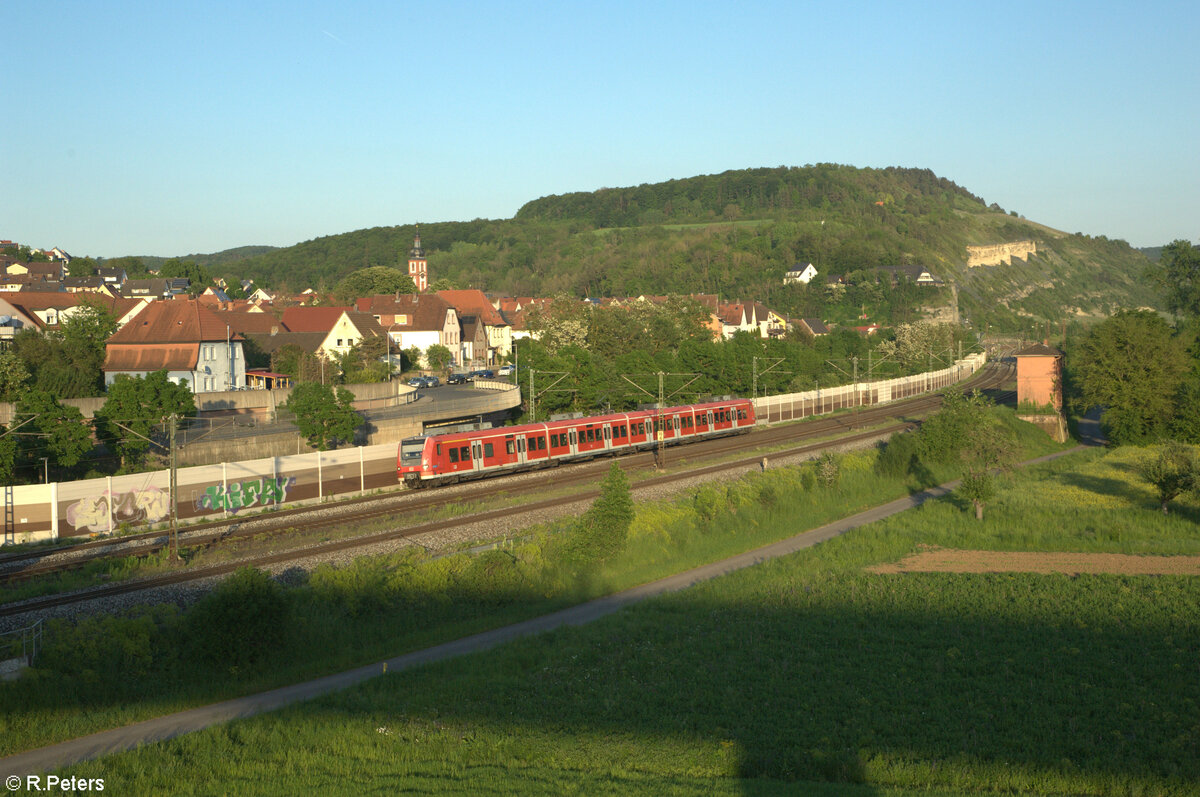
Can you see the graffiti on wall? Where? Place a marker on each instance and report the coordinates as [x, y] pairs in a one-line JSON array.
[[108, 510], [240, 495]]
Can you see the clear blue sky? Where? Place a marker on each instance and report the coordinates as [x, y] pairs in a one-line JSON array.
[[168, 128]]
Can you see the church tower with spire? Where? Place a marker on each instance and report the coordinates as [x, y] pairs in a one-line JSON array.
[[417, 266]]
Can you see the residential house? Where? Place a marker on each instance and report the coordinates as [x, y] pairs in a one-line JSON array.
[[814, 326], [90, 284], [12, 321], [114, 275], [918, 275], [801, 272], [473, 349], [498, 332], [416, 319], [350, 329], [153, 288], [752, 317], [194, 346], [212, 294], [48, 309]]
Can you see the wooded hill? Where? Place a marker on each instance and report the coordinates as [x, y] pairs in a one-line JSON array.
[[736, 234]]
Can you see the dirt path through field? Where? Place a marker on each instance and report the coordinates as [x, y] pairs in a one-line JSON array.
[[947, 560]]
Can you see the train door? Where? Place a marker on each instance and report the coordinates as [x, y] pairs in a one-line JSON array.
[[573, 439], [607, 437], [521, 450], [477, 456], [710, 420]]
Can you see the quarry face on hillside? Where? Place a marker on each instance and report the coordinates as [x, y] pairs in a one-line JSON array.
[[999, 254]]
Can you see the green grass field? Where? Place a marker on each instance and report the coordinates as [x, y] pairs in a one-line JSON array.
[[801, 675]]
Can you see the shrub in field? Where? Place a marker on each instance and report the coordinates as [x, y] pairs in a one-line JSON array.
[[808, 479], [106, 648], [709, 502], [359, 588], [1174, 471], [942, 434], [423, 581], [241, 621], [495, 576], [900, 457], [606, 523], [829, 469]]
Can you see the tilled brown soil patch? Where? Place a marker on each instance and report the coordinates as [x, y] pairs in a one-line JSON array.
[[948, 560]]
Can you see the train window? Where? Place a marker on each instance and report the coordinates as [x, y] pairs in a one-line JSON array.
[[488, 450], [508, 446], [590, 436], [554, 440], [438, 447], [607, 433], [642, 427], [454, 455], [464, 453]]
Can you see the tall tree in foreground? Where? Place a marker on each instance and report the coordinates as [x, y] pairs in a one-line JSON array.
[[1179, 272], [135, 410], [607, 521], [56, 431], [1131, 365], [325, 417], [988, 447]]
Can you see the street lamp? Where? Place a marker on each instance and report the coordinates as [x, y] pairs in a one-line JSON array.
[[389, 345]]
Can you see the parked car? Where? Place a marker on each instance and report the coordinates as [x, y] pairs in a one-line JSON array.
[[457, 379], [483, 373], [432, 381], [418, 382], [506, 370]]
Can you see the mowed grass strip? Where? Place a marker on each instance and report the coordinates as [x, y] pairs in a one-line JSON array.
[[803, 674]]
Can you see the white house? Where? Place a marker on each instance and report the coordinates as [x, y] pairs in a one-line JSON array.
[[195, 347], [802, 272]]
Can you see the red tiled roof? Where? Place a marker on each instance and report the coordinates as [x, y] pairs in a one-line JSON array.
[[312, 319], [250, 323], [153, 357], [473, 302], [183, 321], [425, 311]]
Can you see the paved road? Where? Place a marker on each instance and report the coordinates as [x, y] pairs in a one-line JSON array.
[[46, 759]]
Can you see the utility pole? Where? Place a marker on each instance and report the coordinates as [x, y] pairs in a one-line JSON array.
[[533, 396], [173, 534], [658, 450], [660, 403]]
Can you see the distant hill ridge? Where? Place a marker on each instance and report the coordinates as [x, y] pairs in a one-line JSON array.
[[736, 234]]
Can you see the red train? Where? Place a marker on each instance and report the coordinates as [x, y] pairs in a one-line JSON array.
[[445, 458]]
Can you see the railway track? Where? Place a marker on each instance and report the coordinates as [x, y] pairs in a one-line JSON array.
[[777, 441]]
